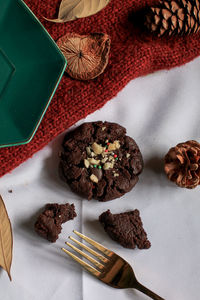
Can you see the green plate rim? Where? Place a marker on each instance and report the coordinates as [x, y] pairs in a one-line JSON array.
[[54, 90]]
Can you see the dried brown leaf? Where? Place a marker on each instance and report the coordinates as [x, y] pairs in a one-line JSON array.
[[70, 10], [87, 55], [6, 239]]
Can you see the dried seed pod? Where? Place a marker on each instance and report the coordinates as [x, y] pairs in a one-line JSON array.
[[87, 55], [182, 164]]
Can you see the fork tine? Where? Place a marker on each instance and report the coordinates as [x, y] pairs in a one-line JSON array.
[[95, 244], [92, 260], [98, 255], [83, 263]]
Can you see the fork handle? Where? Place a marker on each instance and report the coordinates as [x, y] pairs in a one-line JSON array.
[[147, 292]]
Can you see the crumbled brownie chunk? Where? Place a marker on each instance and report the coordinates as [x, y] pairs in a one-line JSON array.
[[48, 224], [100, 161], [125, 228]]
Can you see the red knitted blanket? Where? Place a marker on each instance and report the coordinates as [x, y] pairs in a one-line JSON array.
[[133, 54]]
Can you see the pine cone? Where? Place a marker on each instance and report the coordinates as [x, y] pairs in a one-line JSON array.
[[174, 17], [182, 164]]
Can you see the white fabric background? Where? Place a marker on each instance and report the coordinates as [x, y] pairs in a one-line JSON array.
[[159, 111]]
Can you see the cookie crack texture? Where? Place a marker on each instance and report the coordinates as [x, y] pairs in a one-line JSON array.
[[100, 161]]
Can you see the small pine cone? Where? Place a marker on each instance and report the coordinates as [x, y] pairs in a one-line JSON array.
[[182, 164], [174, 17]]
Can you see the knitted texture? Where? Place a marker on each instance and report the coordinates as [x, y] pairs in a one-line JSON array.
[[133, 54]]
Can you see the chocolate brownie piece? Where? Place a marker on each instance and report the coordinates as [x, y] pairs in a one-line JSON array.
[[125, 228], [100, 161], [48, 224]]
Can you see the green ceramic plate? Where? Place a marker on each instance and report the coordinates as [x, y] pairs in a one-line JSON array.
[[31, 67]]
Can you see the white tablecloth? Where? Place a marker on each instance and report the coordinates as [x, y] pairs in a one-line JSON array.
[[159, 111]]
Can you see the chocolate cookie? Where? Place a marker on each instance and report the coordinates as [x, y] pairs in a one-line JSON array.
[[100, 161], [48, 224], [125, 228]]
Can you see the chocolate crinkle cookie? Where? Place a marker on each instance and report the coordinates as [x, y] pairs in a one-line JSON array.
[[125, 228], [48, 224], [100, 161]]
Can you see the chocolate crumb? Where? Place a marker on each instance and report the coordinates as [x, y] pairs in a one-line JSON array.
[[48, 224], [10, 191], [125, 228]]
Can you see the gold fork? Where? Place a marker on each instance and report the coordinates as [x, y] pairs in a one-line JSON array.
[[112, 270]]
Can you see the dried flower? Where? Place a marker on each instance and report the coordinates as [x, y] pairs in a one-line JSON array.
[[87, 55]]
